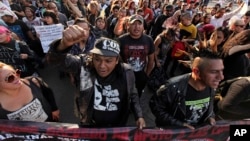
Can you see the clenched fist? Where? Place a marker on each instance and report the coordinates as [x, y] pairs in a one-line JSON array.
[[71, 35]]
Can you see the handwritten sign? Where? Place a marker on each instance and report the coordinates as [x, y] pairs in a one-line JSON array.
[[49, 33]]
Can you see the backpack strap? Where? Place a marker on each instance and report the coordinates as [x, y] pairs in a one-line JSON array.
[[47, 92]]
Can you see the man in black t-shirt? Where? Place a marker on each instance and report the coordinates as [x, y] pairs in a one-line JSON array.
[[106, 85], [187, 100], [137, 49]]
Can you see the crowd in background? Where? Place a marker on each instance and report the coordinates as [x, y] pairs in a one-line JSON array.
[[172, 34]]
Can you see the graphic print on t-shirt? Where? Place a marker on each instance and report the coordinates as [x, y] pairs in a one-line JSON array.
[[197, 109], [31, 112], [136, 57], [85, 80], [106, 99]]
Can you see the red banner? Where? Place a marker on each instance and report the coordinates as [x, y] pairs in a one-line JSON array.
[[24, 130]]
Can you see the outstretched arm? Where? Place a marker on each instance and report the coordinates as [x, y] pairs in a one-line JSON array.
[[71, 35]]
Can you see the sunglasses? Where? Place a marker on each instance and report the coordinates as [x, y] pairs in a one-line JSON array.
[[11, 78]]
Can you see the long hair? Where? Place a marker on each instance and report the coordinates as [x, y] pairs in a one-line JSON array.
[[241, 38]]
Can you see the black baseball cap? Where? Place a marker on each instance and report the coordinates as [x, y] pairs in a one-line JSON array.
[[106, 47]]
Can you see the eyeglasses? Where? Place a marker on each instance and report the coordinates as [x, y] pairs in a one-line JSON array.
[[11, 78], [242, 26]]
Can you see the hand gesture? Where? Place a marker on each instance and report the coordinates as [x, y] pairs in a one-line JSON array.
[[140, 123], [188, 126], [71, 35], [211, 121], [55, 115], [24, 56]]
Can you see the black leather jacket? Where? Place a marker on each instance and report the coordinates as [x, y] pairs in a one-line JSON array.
[[76, 64], [168, 105]]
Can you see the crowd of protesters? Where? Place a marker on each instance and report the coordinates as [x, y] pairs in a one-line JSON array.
[[188, 53]]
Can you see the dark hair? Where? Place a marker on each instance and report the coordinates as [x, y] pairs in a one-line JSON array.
[[241, 38], [197, 4], [194, 20], [139, 10], [218, 5], [247, 13], [50, 13], [169, 7], [220, 9], [206, 53], [100, 17], [224, 30], [30, 8], [115, 6], [81, 20]]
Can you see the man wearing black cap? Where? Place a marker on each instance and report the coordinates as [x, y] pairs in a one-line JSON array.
[[106, 85], [137, 49]]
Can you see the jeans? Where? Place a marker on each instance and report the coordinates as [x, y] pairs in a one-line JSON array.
[[140, 81]]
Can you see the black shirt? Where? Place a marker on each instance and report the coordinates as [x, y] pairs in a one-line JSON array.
[[197, 103], [109, 101]]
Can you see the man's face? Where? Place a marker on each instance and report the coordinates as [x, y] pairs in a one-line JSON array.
[[207, 19], [100, 23], [104, 65], [6, 18], [212, 73], [135, 29], [52, 6], [168, 11], [220, 13], [115, 12], [145, 4], [45, 3], [184, 7]]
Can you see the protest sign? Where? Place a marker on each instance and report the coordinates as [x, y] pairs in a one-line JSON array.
[[49, 33]]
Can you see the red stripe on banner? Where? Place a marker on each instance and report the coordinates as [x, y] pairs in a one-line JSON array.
[[62, 131]]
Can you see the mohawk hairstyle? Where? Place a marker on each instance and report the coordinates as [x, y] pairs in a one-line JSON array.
[[206, 53]]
